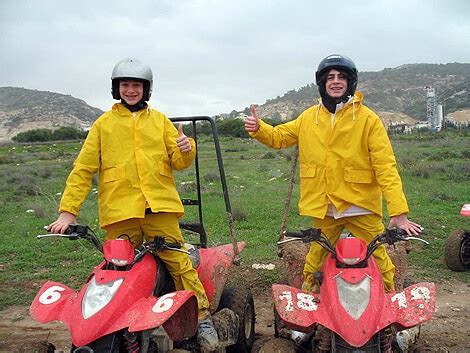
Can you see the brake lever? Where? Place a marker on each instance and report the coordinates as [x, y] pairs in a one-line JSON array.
[[52, 235], [280, 242], [416, 238]]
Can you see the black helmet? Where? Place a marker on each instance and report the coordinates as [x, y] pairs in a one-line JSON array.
[[339, 62], [132, 69]]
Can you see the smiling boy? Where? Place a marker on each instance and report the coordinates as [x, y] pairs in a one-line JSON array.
[[346, 166], [134, 150]]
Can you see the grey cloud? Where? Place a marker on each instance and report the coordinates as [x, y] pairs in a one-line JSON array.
[[210, 56]]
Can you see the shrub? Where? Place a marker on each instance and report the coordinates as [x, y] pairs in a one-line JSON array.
[[43, 135]]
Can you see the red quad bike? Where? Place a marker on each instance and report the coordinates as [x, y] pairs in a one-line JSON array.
[[129, 302], [457, 250], [352, 312]]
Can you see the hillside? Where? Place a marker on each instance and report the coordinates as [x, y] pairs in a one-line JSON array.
[[396, 90], [25, 109], [397, 94]]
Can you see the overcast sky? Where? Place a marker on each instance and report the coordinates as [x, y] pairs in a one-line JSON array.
[[209, 57]]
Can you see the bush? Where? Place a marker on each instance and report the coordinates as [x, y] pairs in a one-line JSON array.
[[36, 135], [43, 135]]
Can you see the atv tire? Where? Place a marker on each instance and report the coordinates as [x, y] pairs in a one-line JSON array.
[[240, 301], [457, 251]]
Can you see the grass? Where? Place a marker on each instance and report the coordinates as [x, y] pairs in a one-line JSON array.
[[435, 169]]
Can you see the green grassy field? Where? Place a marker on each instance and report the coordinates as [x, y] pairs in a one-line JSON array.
[[435, 170]]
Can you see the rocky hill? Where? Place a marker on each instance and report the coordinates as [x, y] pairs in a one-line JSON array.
[[397, 90], [397, 94], [25, 109]]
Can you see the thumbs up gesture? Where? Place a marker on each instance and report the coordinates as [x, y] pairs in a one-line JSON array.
[[182, 141], [252, 121]]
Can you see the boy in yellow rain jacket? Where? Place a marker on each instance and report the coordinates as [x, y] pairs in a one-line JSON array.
[[134, 150], [346, 165]]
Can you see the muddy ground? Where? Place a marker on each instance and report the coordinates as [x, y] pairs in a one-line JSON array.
[[449, 331]]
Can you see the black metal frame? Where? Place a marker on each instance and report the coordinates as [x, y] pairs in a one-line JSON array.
[[199, 227]]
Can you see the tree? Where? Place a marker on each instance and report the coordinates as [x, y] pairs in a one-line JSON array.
[[40, 135]]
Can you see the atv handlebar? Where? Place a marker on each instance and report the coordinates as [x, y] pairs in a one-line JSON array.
[[74, 232], [389, 236], [78, 231], [307, 236], [158, 244]]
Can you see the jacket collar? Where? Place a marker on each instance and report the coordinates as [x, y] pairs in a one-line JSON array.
[[121, 109], [354, 102], [357, 99]]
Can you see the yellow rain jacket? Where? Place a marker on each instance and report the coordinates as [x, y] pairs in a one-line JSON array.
[[346, 161], [134, 154]]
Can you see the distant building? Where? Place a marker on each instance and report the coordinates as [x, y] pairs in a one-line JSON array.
[[432, 114]]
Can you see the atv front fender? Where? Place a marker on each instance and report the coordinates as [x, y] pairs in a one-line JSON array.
[[415, 304], [176, 311], [50, 301], [297, 309]]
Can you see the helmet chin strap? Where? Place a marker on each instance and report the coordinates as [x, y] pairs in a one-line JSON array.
[[330, 103], [136, 107]]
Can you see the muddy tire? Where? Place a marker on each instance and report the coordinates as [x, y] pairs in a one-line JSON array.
[[280, 330], [275, 345], [457, 251], [241, 302]]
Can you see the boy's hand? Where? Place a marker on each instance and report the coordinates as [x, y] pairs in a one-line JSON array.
[[404, 223], [182, 141], [62, 223], [252, 122]]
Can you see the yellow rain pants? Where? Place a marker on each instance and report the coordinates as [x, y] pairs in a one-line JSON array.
[[365, 227], [178, 263]]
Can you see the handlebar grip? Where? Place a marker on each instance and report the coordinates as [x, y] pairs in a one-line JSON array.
[[76, 229], [307, 235], [293, 234], [174, 245], [397, 232]]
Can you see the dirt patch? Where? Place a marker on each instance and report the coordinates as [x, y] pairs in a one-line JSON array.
[[449, 331], [20, 333]]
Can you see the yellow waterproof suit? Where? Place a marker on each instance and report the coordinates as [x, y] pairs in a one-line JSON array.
[[346, 159], [135, 154]]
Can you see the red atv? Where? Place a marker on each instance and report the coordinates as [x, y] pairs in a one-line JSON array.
[[457, 250], [129, 302], [352, 312]]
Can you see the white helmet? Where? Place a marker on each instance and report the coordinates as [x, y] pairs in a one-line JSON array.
[[132, 69]]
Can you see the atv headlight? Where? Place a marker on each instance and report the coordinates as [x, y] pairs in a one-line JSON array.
[[354, 297], [97, 296]]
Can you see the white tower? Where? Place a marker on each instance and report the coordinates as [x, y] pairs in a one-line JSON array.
[[431, 111]]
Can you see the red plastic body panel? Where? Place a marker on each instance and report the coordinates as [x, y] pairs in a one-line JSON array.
[[348, 248], [133, 305], [302, 311], [213, 270], [119, 249]]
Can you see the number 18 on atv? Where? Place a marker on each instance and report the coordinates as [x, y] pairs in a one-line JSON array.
[[352, 312], [129, 302]]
